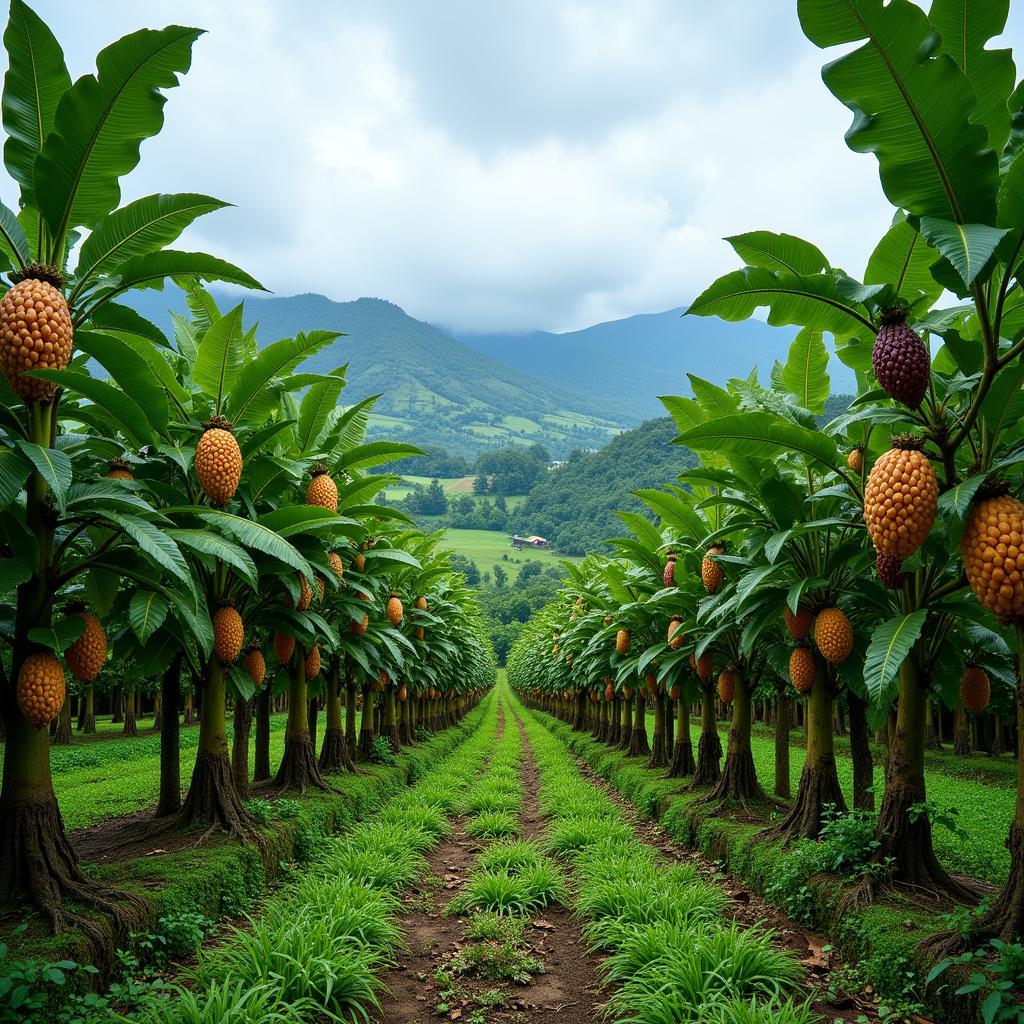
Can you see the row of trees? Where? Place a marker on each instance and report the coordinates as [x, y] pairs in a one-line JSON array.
[[177, 502], [759, 570]]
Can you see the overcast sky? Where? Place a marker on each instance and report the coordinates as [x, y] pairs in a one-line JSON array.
[[511, 164]]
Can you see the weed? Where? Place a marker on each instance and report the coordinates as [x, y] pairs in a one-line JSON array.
[[496, 962]]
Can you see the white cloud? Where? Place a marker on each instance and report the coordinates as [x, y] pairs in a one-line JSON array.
[[508, 165]]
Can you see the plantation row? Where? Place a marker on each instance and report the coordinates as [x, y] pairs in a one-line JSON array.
[[191, 517], [874, 562]]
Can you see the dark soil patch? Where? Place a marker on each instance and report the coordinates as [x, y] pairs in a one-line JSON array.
[[134, 835], [823, 968]]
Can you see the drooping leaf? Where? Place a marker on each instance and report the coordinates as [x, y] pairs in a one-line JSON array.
[[152, 269], [59, 636], [53, 466], [890, 644], [132, 373], [153, 542], [206, 542], [911, 104], [957, 500], [259, 538], [805, 373], [316, 407], [146, 613], [376, 453], [761, 435], [778, 252], [13, 242], [968, 247], [903, 259], [966, 27], [811, 301], [100, 123], [119, 408], [140, 227], [14, 471], [35, 81], [114, 318]]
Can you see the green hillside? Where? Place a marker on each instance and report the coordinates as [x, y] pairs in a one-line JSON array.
[[434, 389], [574, 505]]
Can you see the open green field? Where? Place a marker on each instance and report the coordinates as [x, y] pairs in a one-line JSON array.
[[454, 487], [489, 548]]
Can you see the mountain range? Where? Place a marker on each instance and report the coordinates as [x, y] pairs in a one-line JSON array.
[[469, 392]]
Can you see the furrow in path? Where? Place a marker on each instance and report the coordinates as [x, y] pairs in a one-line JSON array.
[[427, 931], [823, 968], [570, 984]]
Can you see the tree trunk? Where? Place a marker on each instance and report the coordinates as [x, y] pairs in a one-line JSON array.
[[626, 730], [89, 716], [116, 706], [931, 737], [62, 734], [158, 712], [819, 788], [961, 735], [170, 749], [190, 712], [312, 713], [131, 727], [298, 769], [659, 751], [240, 745], [614, 722], [405, 732], [350, 717], [782, 720], [212, 797], [638, 744], [998, 739], [709, 746], [682, 751], [334, 751], [261, 754], [390, 730], [366, 725], [739, 778], [1006, 918], [905, 839], [860, 751]]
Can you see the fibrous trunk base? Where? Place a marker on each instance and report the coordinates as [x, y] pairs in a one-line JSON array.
[[683, 763], [334, 756], [38, 864], [819, 790], [299, 769], [739, 781], [709, 755], [659, 752]]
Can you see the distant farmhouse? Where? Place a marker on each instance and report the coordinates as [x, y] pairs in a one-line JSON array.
[[528, 542]]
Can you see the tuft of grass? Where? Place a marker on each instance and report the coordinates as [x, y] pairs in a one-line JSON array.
[[228, 1001], [492, 825], [571, 834], [510, 857]]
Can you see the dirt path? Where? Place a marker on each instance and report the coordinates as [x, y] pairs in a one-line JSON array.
[[567, 988], [822, 966]]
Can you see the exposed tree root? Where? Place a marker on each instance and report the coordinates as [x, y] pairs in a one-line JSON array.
[[38, 864], [659, 752], [738, 782], [334, 755], [683, 763], [819, 789], [299, 769]]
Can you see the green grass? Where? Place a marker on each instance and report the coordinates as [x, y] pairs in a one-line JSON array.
[[104, 778], [489, 548]]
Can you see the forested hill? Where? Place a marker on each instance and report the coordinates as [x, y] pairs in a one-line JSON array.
[[435, 390], [574, 505]]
